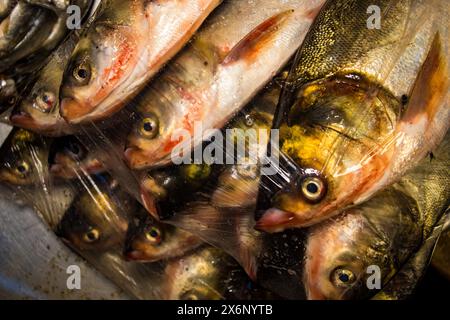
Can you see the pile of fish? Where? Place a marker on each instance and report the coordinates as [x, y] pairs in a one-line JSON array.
[[113, 115]]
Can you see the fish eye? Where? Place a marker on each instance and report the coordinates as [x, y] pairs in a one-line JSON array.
[[91, 236], [22, 168], [149, 127], [45, 101], [313, 188], [154, 235], [342, 277], [75, 149], [82, 73]]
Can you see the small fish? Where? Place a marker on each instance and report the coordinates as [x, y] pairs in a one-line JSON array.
[[151, 241], [24, 159], [98, 217], [341, 116], [229, 60], [39, 108], [125, 46], [70, 157]]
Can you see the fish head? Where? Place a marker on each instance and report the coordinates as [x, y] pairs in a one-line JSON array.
[[38, 111], [101, 59], [357, 253], [197, 276], [95, 221], [146, 241], [150, 139], [334, 135], [24, 160], [70, 155]]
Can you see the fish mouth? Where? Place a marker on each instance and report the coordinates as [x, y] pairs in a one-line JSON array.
[[73, 111], [275, 220], [134, 255], [135, 158], [24, 120]]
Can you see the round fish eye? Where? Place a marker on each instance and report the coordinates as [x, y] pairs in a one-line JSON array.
[[149, 127], [342, 277], [75, 150], [82, 73], [91, 236], [22, 168], [313, 188], [45, 101], [154, 235]]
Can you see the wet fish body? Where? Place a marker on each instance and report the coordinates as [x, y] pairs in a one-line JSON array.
[[354, 122], [128, 42], [241, 47]]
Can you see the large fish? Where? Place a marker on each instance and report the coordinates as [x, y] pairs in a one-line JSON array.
[[384, 231], [360, 106], [126, 45], [233, 56], [151, 241], [39, 109]]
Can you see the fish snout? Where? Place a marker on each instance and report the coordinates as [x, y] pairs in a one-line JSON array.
[[275, 220], [73, 111]]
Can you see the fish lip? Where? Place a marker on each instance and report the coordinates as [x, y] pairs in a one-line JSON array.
[[23, 119], [275, 220], [73, 111], [133, 255], [134, 158]]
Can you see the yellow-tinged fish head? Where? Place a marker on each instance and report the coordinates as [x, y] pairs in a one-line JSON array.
[[153, 241], [152, 138], [99, 62], [335, 135], [95, 221], [71, 156], [39, 111], [24, 159]]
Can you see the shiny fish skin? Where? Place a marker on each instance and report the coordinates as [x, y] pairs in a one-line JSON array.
[[98, 218], [128, 42], [70, 158], [151, 241], [342, 117], [385, 231], [39, 109], [241, 47]]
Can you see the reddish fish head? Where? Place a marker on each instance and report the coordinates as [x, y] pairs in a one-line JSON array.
[[102, 60], [151, 139]]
